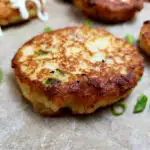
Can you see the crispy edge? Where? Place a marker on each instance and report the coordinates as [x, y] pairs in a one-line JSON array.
[[56, 107]]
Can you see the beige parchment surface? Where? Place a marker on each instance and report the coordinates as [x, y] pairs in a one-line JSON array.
[[22, 129]]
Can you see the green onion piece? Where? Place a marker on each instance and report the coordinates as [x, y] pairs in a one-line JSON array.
[[120, 105], [47, 29], [51, 81], [130, 38], [88, 23], [60, 71], [140, 78], [140, 104], [1, 75], [40, 52]]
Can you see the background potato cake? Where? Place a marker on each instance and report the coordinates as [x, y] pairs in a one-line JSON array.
[[10, 15], [144, 39], [110, 11], [79, 68]]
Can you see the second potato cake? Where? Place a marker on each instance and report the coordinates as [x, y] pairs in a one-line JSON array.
[[144, 37], [110, 11], [79, 68]]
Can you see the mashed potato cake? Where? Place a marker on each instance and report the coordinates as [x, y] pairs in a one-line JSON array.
[[14, 11], [110, 11], [144, 39], [79, 68]]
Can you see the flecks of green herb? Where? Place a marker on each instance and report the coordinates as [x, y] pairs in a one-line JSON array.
[[120, 105], [1, 75], [60, 71], [140, 104], [88, 23], [130, 38], [47, 29], [140, 78], [40, 52], [51, 81]]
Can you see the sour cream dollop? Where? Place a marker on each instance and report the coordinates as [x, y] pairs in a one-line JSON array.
[[21, 5]]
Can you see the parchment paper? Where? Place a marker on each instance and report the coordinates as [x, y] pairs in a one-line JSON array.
[[23, 129]]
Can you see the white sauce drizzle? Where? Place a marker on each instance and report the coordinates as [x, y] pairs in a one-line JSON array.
[[1, 32], [21, 5]]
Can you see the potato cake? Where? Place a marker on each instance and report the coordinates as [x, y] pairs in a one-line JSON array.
[[110, 11], [15, 11], [79, 68], [144, 38]]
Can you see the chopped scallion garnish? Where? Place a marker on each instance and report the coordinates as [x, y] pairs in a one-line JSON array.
[[88, 23], [40, 52], [60, 71], [1, 75], [140, 104], [118, 108], [140, 78], [47, 29], [130, 38], [51, 81]]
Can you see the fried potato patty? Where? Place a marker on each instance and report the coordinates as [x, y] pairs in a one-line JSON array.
[[10, 15], [110, 11], [79, 68], [144, 37]]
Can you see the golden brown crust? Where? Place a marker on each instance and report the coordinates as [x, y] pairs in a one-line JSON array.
[[88, 90], [110, 11], [9, 15], [144, 37]]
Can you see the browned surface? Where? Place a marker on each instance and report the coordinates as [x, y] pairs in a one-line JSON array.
[[108, 10], [9, 15], [145, 37], [90, 89]]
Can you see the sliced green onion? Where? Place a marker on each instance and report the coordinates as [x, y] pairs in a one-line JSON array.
[[51, 81], [1, 75], [40, 52], [130, 38], [60, 71], [116, 106], [140, 104], [88, 23], [140, 78], [47, 29]]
